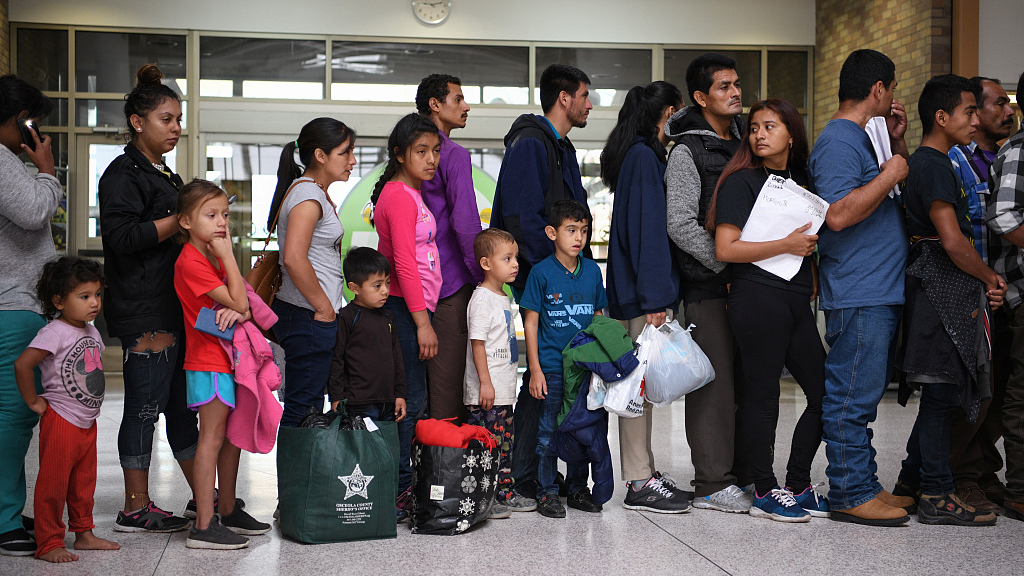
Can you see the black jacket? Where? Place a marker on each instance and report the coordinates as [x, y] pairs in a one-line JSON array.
[[139, 268]]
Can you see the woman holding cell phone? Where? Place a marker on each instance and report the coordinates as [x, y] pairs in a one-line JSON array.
[[27, 203]]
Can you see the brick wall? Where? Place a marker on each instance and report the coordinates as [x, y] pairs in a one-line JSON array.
[[915, 34], [5, 39]]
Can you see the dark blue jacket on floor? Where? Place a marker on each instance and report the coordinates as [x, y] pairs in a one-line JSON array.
[[582, 436], [642, 273]]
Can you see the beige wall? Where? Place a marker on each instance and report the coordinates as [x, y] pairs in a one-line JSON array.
[[915, 34]]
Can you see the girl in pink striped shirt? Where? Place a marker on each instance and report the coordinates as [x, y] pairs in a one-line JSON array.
[[407, 231]]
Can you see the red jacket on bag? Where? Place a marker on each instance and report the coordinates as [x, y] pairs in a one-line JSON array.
[[446, 433]]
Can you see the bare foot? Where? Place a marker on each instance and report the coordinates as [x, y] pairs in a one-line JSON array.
[[58, 555], [89, 541]]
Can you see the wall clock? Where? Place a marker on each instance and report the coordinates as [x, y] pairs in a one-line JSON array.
[[431, 12]]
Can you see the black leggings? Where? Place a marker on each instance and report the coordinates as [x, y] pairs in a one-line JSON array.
[[773, 328]]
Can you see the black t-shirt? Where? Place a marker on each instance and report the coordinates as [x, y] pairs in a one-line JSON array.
[[931, 178], [736, 199]]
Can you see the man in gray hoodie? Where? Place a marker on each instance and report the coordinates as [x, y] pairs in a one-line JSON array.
[[706, 136]]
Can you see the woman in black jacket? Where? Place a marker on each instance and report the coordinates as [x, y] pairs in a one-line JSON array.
[[137, 195]]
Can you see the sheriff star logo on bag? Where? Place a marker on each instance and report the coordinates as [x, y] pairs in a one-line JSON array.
[[356, 483]]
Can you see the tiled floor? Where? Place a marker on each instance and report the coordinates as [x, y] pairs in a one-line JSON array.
[[614, 542]]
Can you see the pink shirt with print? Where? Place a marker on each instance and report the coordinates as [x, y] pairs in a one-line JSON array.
[[407, 233]]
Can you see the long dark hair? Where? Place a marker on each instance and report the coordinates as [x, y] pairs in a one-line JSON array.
[[17, 95], [638, 117], [408, 129], [745, 159], [148, 93], [318, 134]]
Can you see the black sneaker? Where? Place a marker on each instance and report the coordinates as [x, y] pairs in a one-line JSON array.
[[240, 522], [215, 537], [549, 505], [17, 542], [190, 508], [29, 524], [655, 496], [583, 500], [950, 510], [670, 483], [149, 518]]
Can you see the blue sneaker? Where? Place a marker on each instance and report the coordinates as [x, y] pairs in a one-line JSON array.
[[778, 505], [815, 504]]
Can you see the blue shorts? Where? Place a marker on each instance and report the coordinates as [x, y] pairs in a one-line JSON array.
[[203, 387]]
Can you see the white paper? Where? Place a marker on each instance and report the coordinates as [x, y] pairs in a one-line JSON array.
[[370, 424], [781, 207], [878, 132]]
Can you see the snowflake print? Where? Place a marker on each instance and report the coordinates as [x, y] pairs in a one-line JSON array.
[[486, 461], [471, 461], [466, 507], [485, 484], [462, 526], [468, 484]]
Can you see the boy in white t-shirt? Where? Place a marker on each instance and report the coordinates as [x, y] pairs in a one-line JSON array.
[[492, 359]]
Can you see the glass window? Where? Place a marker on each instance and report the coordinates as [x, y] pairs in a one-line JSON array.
[[43, 58], [59, 116], [391, 72], [612, 71], [109, 113], [748, 66], [261, 68], [787, 77], [108, 61]]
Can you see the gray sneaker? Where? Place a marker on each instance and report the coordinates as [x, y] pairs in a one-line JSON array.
[[517, 503], [215, 537], [728, 499], [240, 522], [499, 512]]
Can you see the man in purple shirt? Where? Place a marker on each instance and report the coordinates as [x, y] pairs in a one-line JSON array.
[[452, 200]]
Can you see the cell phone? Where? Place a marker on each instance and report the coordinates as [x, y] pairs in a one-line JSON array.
[[27, 126]]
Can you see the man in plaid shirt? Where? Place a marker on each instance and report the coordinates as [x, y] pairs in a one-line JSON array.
[[1005, 217], [974, 459]]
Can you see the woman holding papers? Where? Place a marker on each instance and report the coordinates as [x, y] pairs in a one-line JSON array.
[[769, 312]]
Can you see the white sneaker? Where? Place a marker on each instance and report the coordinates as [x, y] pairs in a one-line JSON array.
[[728, 499]]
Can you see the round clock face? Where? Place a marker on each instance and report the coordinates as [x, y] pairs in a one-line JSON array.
[[431, 11]]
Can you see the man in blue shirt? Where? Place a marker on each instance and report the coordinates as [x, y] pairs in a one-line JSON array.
[[863, 255], [539, 169]]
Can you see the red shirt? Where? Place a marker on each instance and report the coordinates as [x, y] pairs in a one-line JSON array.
[[194, 278]]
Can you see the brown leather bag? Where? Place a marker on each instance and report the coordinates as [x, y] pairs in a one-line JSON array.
[[265, 274]]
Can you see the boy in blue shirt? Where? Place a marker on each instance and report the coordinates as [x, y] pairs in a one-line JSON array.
[[562, 294]]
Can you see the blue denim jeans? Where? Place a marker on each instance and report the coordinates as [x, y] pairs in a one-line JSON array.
[[547, 462], [308, 352], [16, 419], [927, 463], [383, 411], [416, 404], [154, 382], [524, 450], [857, 370]]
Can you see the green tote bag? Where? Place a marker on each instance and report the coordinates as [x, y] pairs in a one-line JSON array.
[[337, 485]]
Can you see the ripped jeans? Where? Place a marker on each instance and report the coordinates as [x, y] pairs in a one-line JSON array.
[[154, 382]]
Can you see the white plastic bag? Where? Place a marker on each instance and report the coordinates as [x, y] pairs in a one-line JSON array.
[[626, 397], [676, 366], [598, 389]]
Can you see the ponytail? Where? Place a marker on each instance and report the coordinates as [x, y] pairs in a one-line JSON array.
[[149, 92], [318, 134], [638, 118]]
